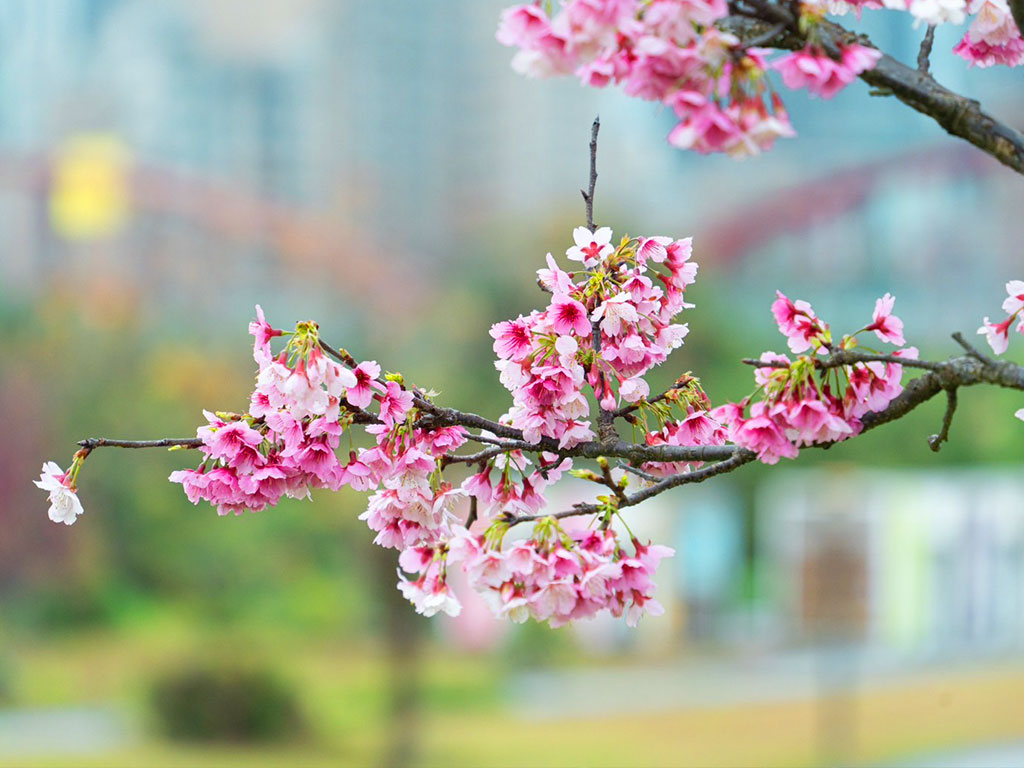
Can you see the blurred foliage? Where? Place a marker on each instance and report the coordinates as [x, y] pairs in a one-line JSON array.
[[226, 702]]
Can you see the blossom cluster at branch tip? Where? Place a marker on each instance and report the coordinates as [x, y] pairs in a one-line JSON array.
[[803, 403], [672, 52], [605, 327], [287, 443]]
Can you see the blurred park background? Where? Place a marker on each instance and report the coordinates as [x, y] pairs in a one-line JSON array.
[[377, 166]]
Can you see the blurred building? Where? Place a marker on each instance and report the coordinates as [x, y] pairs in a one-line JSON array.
[[276, 141], [923, 564]]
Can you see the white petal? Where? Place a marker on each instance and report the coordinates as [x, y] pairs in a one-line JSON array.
[[582, 236]]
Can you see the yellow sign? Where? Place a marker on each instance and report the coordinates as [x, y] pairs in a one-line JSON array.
[[89, 197]]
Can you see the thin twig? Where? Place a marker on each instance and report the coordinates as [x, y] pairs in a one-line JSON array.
[[765, 37], [971, 350], [588, 194], [926, 50], [341, 355], [479, 456], [609, 481], [850, 357], [628, 409], [639, 472], [741, 457], [935, 441], [90, 443]]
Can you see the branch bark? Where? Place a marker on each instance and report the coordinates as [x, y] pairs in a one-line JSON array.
[[947, 376], [958, 115]]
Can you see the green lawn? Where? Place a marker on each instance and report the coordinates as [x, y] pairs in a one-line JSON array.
[[462, 721]]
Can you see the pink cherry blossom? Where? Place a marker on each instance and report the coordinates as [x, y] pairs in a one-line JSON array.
[[262, 333], [511, 339], [885, 324], [394, 403], [821, 75], [997, 334], [1014, 302], [569, 316], [360, 394], [615, 313]]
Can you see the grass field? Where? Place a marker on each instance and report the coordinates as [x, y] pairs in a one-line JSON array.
[[464, 721]]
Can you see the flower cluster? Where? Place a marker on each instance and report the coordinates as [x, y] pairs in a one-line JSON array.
[[505, 484], [667, 51], [822, 75], [429, 593], [286, 443], [671, 51], [807, 403], [993, 37], [606, 326], [411, 504], [696, 428], [557, 577], [998, 334]]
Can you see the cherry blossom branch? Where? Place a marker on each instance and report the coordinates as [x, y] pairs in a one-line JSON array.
[[974, 369], [957, 372], [851, 357], [605, 418], [341, 355], [958, 115], [945, 376]]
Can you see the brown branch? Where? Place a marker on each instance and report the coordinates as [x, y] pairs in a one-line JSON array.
[[91, 443], [935, 441], [971, 350], [740, 457], [947, 376], [765, 37], [628, 409], [850, 357], [926, 50], [341, 355], [958, 115], [588, 194]]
